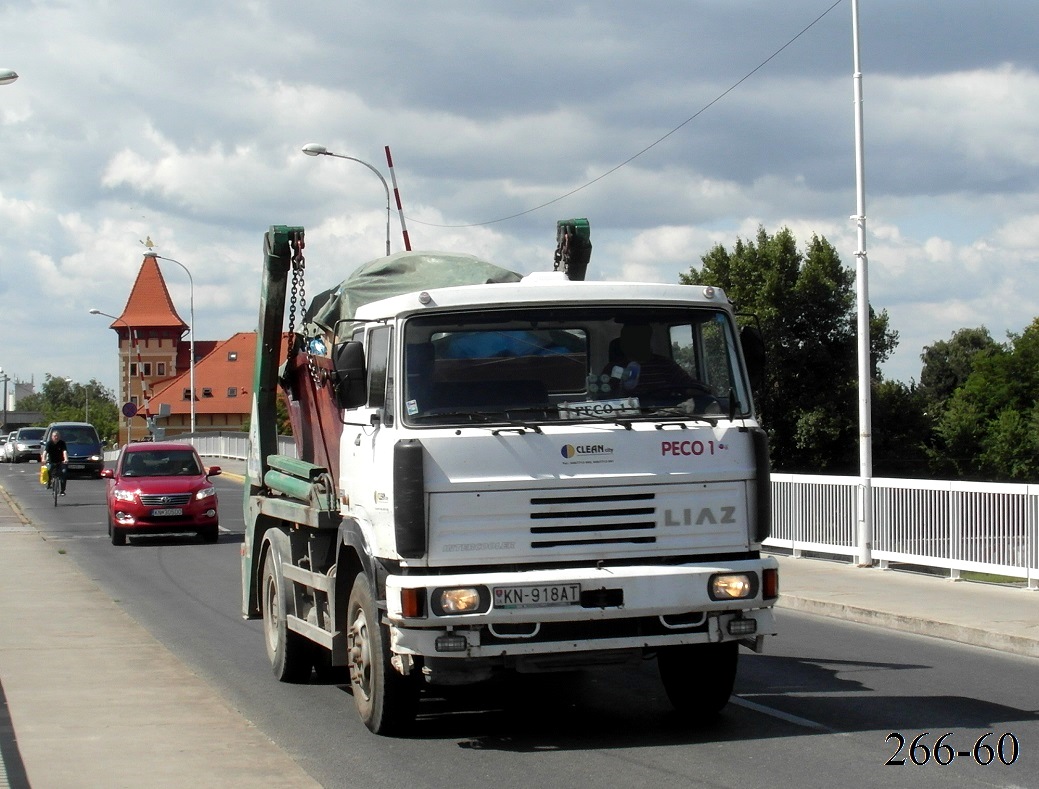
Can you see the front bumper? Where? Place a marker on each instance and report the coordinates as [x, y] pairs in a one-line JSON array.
[[85, 467], [645, 606], [138, 521]]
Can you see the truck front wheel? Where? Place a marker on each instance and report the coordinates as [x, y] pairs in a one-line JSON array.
[[386, 700], [290, 653], [699, 678]]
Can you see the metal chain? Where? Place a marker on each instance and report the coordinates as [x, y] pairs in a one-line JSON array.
[[299, 265], [297, 293], [299, 286]]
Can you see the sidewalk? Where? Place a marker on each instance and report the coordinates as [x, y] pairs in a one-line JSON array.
[[984, 615], [94, 700], [90, 699]]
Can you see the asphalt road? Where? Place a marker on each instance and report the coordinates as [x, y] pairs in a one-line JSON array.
[[826, 706]]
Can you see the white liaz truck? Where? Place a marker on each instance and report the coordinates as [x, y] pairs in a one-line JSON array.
[[522, 474]]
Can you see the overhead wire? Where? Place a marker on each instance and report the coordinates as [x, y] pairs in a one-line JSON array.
[[652, 145]]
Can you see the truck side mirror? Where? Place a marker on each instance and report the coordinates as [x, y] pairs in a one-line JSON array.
[[753, 354], [351, 377]]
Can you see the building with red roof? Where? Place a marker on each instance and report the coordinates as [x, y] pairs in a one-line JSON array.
[[155, 366]]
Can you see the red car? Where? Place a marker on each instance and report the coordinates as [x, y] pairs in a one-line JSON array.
[[161, 488]]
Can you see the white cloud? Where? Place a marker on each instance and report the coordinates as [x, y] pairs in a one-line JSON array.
[[184, 123]]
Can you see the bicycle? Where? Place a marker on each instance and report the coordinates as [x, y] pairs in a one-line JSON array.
[[55, 473]]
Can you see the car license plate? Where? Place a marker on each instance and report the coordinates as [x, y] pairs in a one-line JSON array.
[[166, 511], [536, 596], [76, 465]]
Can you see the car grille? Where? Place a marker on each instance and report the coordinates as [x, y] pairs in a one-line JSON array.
[[166, 499]]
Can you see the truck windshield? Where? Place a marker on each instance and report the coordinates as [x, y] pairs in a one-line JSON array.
[[551, 364]]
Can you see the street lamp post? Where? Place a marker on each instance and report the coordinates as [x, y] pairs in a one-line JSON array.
[[313, 149], [86, 393], [865, 526], [86, 411], [6, 379], [126, 388], [7, 76], [191, 328]]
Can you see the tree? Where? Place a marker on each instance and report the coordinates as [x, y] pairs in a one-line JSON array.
[[806, 307], [948, 363], [989, 426], [61, 400], [902, 430]]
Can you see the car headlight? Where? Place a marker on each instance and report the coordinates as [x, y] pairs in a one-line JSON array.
[[95, 458], [123, 495], [205, 493]]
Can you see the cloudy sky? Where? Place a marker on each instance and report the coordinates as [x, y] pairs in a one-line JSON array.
[[183, 122]]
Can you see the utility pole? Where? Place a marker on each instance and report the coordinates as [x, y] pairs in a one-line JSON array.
[[6, 379], [865, 525]]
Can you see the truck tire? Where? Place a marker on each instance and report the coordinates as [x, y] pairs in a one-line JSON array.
[[290, 653], [385, 700], [699, 678]]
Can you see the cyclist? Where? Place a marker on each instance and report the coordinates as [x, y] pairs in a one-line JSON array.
[[56, 455]]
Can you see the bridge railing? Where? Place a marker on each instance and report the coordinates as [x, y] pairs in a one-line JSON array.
[[957, 526]]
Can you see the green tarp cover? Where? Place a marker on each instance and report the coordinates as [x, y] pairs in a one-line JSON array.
[[404, 272]]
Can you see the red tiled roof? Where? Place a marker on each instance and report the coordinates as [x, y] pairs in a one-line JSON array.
[[150, 304], [228, 365], [202, 349]]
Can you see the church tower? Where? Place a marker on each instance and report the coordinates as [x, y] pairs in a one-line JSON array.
[[150, 331]]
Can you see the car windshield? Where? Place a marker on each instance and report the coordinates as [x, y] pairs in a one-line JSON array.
[[161, 463], [574, 364], [78, 435], [31, 434]]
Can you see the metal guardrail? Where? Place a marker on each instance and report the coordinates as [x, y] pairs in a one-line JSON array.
[[983, 527], [956, 526], [224, 444]]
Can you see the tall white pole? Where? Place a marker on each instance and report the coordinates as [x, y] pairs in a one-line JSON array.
[[864, 537], [191, 328]]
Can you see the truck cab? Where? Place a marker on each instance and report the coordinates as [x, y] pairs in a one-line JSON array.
[[531, 476]]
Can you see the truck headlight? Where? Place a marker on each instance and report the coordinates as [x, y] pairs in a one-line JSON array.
[[732, 586], [460, 600]]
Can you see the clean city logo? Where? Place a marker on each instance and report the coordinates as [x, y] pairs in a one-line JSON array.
[[570, 451]]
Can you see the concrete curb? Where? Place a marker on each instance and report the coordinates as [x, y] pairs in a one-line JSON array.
[[17, 510], [914, 623]]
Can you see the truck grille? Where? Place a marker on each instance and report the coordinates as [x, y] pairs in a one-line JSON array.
[[592, 520]]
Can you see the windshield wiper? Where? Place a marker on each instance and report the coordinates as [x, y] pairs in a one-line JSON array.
[[655, 412], [471, 416]]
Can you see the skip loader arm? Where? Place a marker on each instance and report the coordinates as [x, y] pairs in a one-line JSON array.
[[263, 437]]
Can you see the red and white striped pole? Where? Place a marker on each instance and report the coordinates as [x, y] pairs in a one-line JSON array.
[[396, 195]]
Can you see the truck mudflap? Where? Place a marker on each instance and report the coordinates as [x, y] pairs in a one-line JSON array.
[[568, 609]]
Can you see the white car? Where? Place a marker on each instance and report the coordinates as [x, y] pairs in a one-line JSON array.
[[7, 450]]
